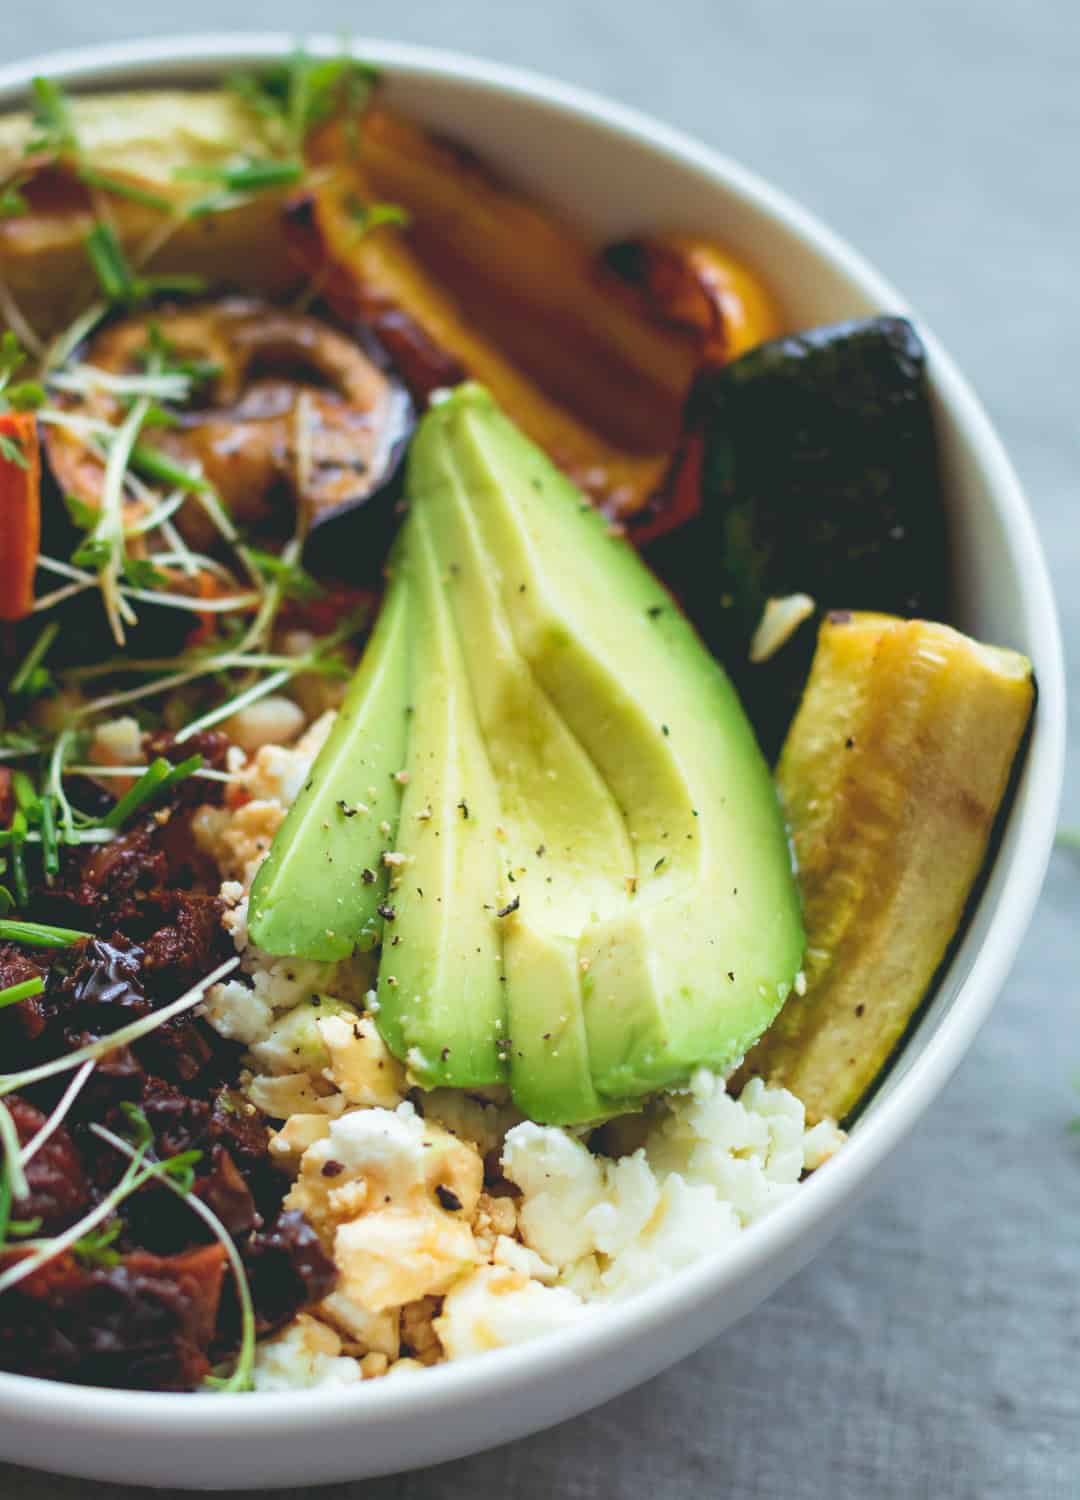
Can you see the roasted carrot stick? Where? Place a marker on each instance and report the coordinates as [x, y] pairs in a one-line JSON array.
[[20, 513]]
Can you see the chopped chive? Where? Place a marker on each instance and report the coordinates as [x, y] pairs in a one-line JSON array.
[[110, 263], [145, 788], [182, 771], [18, 832], [117, 280], [39, 934], [120, 189], [151, 463], [158, 777], [245, 177], [34, 657], [50, 848], [26, 796], [368, 216], [216, 203], [16, 992]]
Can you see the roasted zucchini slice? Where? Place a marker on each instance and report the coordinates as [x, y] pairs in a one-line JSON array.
[[891, 778]]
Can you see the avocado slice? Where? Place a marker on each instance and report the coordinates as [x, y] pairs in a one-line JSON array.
[[557, 834], [440, 990], [318, 893], [654, 925]]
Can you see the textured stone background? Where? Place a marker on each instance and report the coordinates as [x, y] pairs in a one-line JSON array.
[[934, 1350]]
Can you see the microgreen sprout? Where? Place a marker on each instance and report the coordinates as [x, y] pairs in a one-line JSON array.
[[53, 121], [95, 1248], [119, 188], [369, 216], [30, 677], [56, 1119], [45, 1250], [295, 581], [293, 97], [13, 201], [13, 1183]]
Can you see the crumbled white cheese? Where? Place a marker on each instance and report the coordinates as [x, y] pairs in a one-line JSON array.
[[376, 1333], [238, 836], [360, 1064], [236, 1011], [273, 720], [779, 621], [307, 1354], [117, 742], [394, 1195], [495, 1307], [293, 1094], [710, 1166], [518, 1257], [389, 1143]]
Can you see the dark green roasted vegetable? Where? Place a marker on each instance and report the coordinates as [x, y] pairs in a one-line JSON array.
[[819, 475]]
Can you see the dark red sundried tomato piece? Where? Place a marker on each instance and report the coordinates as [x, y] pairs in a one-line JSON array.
[[287, 1270], [59, 1192], [224, 1190], [144, 1324]]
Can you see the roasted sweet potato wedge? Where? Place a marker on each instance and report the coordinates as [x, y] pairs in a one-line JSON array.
[[531, 284], [377, 277]]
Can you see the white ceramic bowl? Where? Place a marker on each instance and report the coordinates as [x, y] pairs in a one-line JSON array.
[[614, 172]]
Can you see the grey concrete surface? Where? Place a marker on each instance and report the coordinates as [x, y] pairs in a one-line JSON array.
[[934, 1350]]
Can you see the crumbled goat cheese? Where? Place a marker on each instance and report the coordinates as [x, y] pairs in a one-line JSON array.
[[273, 720], [711, 1165], [495, 1307], [393, 1197], [360, 1064], [307, 1354], [117, 742], [238, 836]]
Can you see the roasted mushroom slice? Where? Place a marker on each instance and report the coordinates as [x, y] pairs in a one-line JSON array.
[[283, 409]]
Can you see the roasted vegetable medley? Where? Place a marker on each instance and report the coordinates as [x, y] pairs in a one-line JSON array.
[[404, 941]]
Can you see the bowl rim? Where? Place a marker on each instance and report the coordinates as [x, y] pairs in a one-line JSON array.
[[598, 1336]]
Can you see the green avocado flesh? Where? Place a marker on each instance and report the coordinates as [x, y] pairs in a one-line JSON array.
[[317, 894], [591, 888], [440, 977]]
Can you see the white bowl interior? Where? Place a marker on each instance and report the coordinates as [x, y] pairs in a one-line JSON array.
[[613, 172]]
